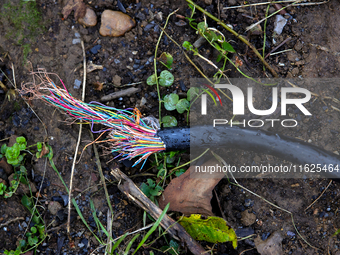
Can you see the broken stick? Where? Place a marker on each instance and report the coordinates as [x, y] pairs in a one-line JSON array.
[[127, 186], [125, 92]]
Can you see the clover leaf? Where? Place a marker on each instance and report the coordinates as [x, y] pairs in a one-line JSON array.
[[166, 78], [170, 101]]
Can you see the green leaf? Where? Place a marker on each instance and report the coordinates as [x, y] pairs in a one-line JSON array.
[[182, 105], [201, 27], [217, 47], [170, 101], [39, 146], [227, 46], [32, 240], [151, 80], [337, 232], [145, 189], [33, 230], [166, 59], [22, 142], [169, 121], [219, 57], [213, 229], [180, 172], [3, 148], [192, 93], [174, 247], [166, 78], [27, 202], [187, 45]]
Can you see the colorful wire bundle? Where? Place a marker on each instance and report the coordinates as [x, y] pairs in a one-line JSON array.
[[130, 135]]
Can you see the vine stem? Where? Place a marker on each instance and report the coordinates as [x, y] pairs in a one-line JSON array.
[[155, 67], [242, 38]]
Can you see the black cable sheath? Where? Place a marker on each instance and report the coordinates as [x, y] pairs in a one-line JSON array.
[[259, 141]]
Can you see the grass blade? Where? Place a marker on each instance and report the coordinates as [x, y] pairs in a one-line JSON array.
[[154, 227]]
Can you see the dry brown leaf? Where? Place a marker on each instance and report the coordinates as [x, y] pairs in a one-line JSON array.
[[98, 86], [191, 193], [77, 6]]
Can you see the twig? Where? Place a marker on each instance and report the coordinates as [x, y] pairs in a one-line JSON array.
[[274, 2], [11, 221], [127, 186], [78, 142], [330, 182], [121, 93], [284, 41], [243, 39], [259, 22]]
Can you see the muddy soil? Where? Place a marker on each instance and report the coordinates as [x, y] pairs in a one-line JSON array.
[[311, 52]]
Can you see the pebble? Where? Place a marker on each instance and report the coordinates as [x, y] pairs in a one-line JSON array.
[[243, 232], [54, 207], [271, 246], [290, 234], [115, 23], [90, 18], [148, 27], [75, 41], [279, 24], [77, 35], [77, 84], [95, 49], [116, 61], [181, 83], [248, 202], [142, 101], [248, 218]]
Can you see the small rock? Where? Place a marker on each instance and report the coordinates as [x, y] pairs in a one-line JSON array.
[[117, 80], [180, 23], [54, 207], [243, 232], [248, 218], [77, 84], [272, 246], [295, 71], [77, 35], [248, 202], [95, 49], [75, 41], [279, 24], [142, 101], [90, 18], [115, 23], [290, 234], [232, 2], [208, 2], [159, 16]]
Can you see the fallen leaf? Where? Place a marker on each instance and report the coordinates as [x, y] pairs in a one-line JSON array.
[[77, 6], [98, 86], [191, 192], [212, 229]]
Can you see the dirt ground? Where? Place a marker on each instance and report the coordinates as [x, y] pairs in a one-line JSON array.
[[312, 52]]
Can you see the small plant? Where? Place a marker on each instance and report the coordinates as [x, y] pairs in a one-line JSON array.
[[151, 189], [25, 23], [165, 79], [166, 59]]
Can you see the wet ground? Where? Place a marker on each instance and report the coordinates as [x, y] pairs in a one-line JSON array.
[[312, 52]]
